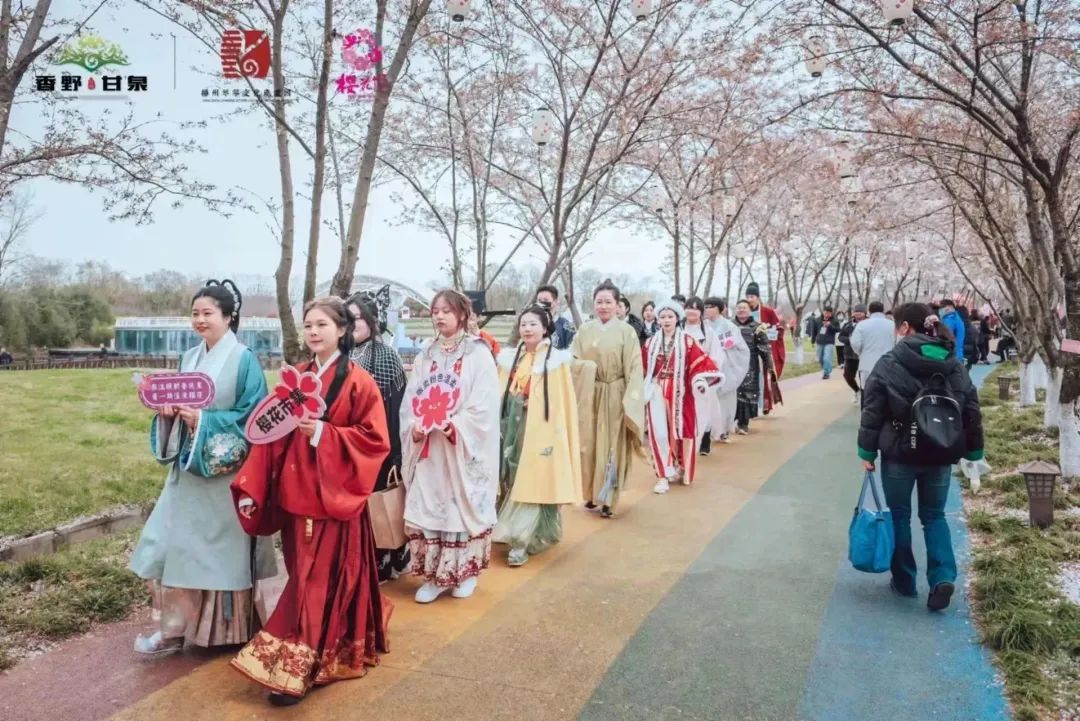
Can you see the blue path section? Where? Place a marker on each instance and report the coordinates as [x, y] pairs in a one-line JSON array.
[[880, 656], [734, 638]]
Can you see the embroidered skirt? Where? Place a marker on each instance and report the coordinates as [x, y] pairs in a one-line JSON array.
[[331, 621], [447, 559]]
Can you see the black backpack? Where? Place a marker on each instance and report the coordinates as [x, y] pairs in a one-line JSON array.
[[936, 431]]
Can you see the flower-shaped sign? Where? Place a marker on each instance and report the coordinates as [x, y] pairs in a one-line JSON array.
[[158, 390], [436, 399], [729, 342], [296, 398]]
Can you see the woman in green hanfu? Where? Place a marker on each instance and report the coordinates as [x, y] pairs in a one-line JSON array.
[[197, 560]]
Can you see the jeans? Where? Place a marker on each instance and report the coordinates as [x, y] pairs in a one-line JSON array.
[[824, 357], [898, 480]]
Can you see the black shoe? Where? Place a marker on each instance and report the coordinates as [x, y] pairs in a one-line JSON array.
[[898, 592], [590, 505], [940, 596], [605, 512], [281, 699]]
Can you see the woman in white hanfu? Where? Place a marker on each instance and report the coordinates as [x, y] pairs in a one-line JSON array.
[[726, 346], [450, 451]]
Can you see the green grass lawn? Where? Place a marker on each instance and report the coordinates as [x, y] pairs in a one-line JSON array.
[[1021, 612], [75, 442], [56, 596]]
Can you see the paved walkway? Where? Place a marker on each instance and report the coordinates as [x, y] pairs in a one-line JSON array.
[[727, 601]]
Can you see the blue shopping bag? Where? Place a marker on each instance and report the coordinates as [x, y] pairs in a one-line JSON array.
[[871, 538]]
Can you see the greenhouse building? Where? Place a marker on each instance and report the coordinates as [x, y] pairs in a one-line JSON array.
[[173, 336]]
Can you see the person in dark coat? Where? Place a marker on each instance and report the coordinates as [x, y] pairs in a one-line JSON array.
[[623, 313], [851, 358], [985, 334], [761, 362], [923, 353], [823, 331]]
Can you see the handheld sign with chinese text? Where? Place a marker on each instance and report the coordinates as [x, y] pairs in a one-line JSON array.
[[295, 399], [436, 398], [158, 390]]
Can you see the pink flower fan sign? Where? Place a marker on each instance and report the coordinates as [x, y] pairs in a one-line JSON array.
[[296, 398], [436, 399]]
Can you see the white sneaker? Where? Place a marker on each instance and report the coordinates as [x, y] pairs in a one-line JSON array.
[[741, 431], [465, 588], [429, 592], [725, 438], [661, 486], [155, 645], [855, 400], [517, 557]]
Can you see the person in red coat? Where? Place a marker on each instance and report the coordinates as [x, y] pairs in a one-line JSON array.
[[764, 314], [313, 486], [678, 373]]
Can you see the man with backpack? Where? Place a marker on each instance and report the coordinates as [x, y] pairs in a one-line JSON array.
[[921, 413]]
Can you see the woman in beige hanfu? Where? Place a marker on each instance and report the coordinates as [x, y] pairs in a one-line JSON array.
[[615, 424]]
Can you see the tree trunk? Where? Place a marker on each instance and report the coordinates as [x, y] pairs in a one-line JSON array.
[[319, 180], [1052, 411], [1040, 378], [1069, 450], [1027, 385], [350, 250], [290, 338]]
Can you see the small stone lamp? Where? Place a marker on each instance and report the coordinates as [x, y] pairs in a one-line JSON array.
[[1040, 477]]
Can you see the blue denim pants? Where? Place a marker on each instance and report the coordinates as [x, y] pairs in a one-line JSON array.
[[825, 357], [932, 484]]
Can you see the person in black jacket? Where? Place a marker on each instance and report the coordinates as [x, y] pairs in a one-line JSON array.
[[898, 378], [823, 331], [622, 310], [851, 358], [984, 337]]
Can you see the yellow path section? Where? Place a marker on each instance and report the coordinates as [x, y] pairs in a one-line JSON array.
[[533, 642]]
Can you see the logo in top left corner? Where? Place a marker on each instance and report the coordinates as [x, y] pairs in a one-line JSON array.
[[245, 54], [95, 55]]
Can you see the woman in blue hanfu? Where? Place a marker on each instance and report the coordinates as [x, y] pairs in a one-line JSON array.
[[197, 560]]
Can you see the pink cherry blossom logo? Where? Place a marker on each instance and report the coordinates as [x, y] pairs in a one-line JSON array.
[[362, 56]]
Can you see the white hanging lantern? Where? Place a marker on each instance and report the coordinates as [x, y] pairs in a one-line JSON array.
[[845, 160], [657, 201], [815, 56], [730, 205], [641, 8], [796, 208], [897, 12], [543, 126], [877, 284], [912, 250], [458, 9], [851, 188], [738, 251]]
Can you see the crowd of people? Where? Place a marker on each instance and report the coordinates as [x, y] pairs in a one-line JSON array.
[[489, 443], [972, 330]]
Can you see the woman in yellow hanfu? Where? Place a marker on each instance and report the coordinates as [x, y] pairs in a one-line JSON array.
[[540, 465], [618, 407]]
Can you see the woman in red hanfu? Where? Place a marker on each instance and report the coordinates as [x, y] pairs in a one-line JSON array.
[[312, 486], [678, 373]]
